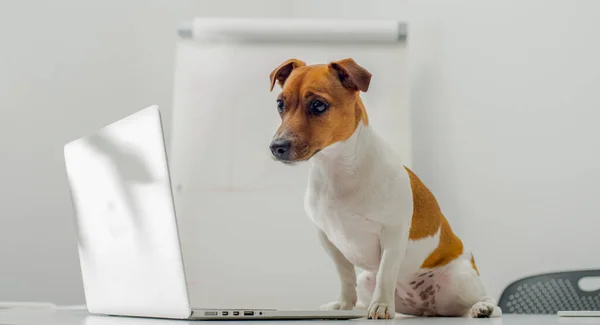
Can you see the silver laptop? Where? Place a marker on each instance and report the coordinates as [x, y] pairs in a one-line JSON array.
[[129, 246]]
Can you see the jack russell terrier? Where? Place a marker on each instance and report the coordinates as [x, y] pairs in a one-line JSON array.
[[371, 211]]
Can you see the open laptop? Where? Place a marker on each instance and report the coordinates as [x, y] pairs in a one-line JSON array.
[[129, 247]]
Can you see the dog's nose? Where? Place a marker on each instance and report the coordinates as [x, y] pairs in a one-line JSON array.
[[281, 148]]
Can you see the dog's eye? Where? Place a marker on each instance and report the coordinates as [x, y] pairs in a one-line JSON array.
[[280, 106], [318, 107]]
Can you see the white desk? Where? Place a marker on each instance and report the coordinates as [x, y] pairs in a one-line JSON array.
[[49, 317]]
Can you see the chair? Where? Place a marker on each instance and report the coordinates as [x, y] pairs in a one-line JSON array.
[[549, 293]]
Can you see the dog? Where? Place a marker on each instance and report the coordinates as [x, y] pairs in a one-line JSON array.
[[371, 211]]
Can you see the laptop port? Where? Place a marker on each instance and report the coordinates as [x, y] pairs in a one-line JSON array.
[[236, 313], [248, 313], [225, 313], [210, 313]]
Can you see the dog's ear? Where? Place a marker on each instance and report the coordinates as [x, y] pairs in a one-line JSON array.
[[351, 74], [282, 72]]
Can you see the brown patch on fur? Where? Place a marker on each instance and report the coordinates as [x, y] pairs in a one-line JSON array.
[[449, 248], [427, 220], [426, 214], [336, 84], [362, 111], [473, 264]]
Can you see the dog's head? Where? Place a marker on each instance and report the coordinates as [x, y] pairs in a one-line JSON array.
[[319, 105]]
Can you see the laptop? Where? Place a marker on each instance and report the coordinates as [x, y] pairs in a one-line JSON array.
[[128, 241]]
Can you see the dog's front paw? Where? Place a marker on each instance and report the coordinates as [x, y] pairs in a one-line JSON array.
[[381, 310], [482, 310], [338, 305]]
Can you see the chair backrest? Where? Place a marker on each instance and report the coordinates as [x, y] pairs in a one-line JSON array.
[[549, 293]]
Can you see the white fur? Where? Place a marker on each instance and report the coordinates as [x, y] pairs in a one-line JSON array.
[[359, 197]]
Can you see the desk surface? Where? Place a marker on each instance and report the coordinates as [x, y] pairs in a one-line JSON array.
[[51, 317]]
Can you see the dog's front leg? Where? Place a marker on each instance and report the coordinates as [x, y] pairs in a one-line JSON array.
[[346, 273], [394, 240]]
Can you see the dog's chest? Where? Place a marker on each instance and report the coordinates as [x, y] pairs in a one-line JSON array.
[[355, 236]]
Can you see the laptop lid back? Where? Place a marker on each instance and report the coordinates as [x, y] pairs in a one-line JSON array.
[[128, 243]]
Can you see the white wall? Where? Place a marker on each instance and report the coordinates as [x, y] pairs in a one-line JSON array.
[[506, 108], [505, 116], [504, 102], [66, 68]]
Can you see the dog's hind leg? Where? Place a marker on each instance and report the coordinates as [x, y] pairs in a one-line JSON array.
[[484, 308], [461, 292]]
